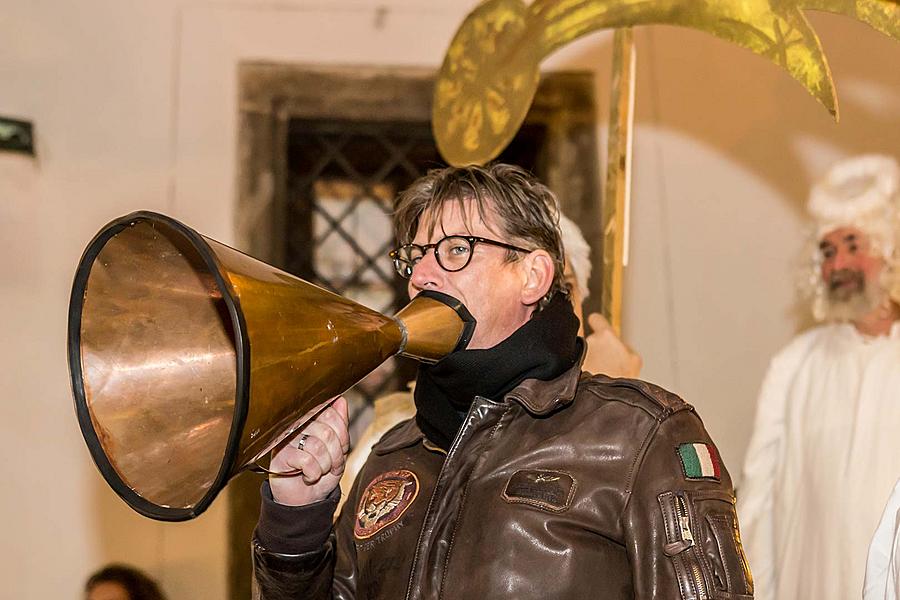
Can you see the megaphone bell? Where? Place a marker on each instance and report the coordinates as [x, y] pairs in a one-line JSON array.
[[190, 361]]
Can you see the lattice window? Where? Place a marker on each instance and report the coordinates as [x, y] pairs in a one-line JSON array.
[[343, 180]]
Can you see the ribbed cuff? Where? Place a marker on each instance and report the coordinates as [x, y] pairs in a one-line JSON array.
[[294, 529]]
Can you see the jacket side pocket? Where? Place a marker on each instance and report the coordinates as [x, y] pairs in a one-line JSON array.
[[722, 542], [703, 542], [680, 546]]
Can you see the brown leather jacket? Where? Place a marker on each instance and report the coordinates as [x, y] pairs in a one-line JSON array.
[[573, 488]]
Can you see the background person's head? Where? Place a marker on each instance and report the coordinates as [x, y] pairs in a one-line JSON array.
[[511, 271], [121, 582], [854, 263], [578, 265]]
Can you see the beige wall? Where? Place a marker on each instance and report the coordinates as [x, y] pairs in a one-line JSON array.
[[725, 151], [134, 105]]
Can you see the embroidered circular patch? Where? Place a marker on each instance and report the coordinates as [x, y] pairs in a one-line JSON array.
[[384, 501]]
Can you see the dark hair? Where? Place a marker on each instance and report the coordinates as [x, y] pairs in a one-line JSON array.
[[528, 211], [138, 585]]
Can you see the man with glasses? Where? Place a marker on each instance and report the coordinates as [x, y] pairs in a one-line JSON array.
[[519, 477], [605, 353]]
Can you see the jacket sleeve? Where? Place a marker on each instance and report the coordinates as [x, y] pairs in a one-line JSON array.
[[757, 491], [679, 522], [297, 553]]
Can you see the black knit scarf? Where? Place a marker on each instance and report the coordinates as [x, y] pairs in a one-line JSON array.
[[543, 348]]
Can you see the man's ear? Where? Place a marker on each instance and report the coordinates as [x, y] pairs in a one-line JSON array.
[[538, 271]]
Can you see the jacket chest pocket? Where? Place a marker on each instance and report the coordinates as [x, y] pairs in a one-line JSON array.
[[704, 544], [548, 490]]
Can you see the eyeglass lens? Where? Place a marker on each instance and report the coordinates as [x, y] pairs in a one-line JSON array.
[[453, 253]]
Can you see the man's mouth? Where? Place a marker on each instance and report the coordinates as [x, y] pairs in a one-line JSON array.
[[846, 282]]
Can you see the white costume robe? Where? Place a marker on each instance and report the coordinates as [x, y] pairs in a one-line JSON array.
[[824, 455], [883, 566]]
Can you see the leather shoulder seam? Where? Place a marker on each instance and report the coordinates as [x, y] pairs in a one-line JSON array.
[[639, 460], [652, 399]]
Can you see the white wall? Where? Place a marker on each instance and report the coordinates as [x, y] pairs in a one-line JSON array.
[[96, 79], [134, 105]]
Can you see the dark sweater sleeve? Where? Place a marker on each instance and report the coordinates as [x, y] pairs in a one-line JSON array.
[[294, 529], [293, 549]]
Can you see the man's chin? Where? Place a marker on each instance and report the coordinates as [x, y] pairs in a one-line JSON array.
[[850, 295], [852, 306]]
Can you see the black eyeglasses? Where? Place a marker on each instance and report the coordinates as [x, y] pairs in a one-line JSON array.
[[453, 253]]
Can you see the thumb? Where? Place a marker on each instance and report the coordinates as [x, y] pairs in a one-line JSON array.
[[340, 405], [598, 323]]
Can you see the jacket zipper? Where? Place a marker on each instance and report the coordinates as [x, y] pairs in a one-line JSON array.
[[684, 521], [451, 454], [684, 526], [434, 492]]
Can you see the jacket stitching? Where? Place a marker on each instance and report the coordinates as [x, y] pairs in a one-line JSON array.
[[667, 497], [629, 402], [660, 408], [685, 581], [638, 462], [716, 522], [711, 495]]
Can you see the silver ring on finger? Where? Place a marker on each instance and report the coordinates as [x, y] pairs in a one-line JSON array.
[[302, 441]]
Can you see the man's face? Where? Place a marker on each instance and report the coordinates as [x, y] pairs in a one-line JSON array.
[[489, 286], [850, 270]]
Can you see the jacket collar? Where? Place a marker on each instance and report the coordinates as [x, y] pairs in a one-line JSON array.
[[402, 436], [543, 397], [537, 397]]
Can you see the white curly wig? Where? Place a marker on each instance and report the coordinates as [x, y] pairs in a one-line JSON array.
[[578, 254], [861, 192]]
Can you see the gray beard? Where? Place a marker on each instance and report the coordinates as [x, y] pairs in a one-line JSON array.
[[842, 305]]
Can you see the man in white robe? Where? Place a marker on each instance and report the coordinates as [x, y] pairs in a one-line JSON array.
[[883, 565], [825, 450]]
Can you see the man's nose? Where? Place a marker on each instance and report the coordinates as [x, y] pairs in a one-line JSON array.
[[842, 259], [427, 274]]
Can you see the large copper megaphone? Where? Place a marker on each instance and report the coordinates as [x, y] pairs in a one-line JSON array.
[[190, 360]]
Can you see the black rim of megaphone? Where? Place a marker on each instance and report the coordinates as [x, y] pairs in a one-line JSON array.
[[242, 356], [465, 316]]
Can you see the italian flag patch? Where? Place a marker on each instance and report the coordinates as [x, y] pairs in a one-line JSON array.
[[699, 461]]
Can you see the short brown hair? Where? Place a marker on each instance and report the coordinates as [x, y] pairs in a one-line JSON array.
[[528, 211], [138, 585]]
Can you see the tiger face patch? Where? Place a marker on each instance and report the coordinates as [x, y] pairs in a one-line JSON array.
[[384, 501]]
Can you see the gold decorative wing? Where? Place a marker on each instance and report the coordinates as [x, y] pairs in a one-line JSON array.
[[491, 70]]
